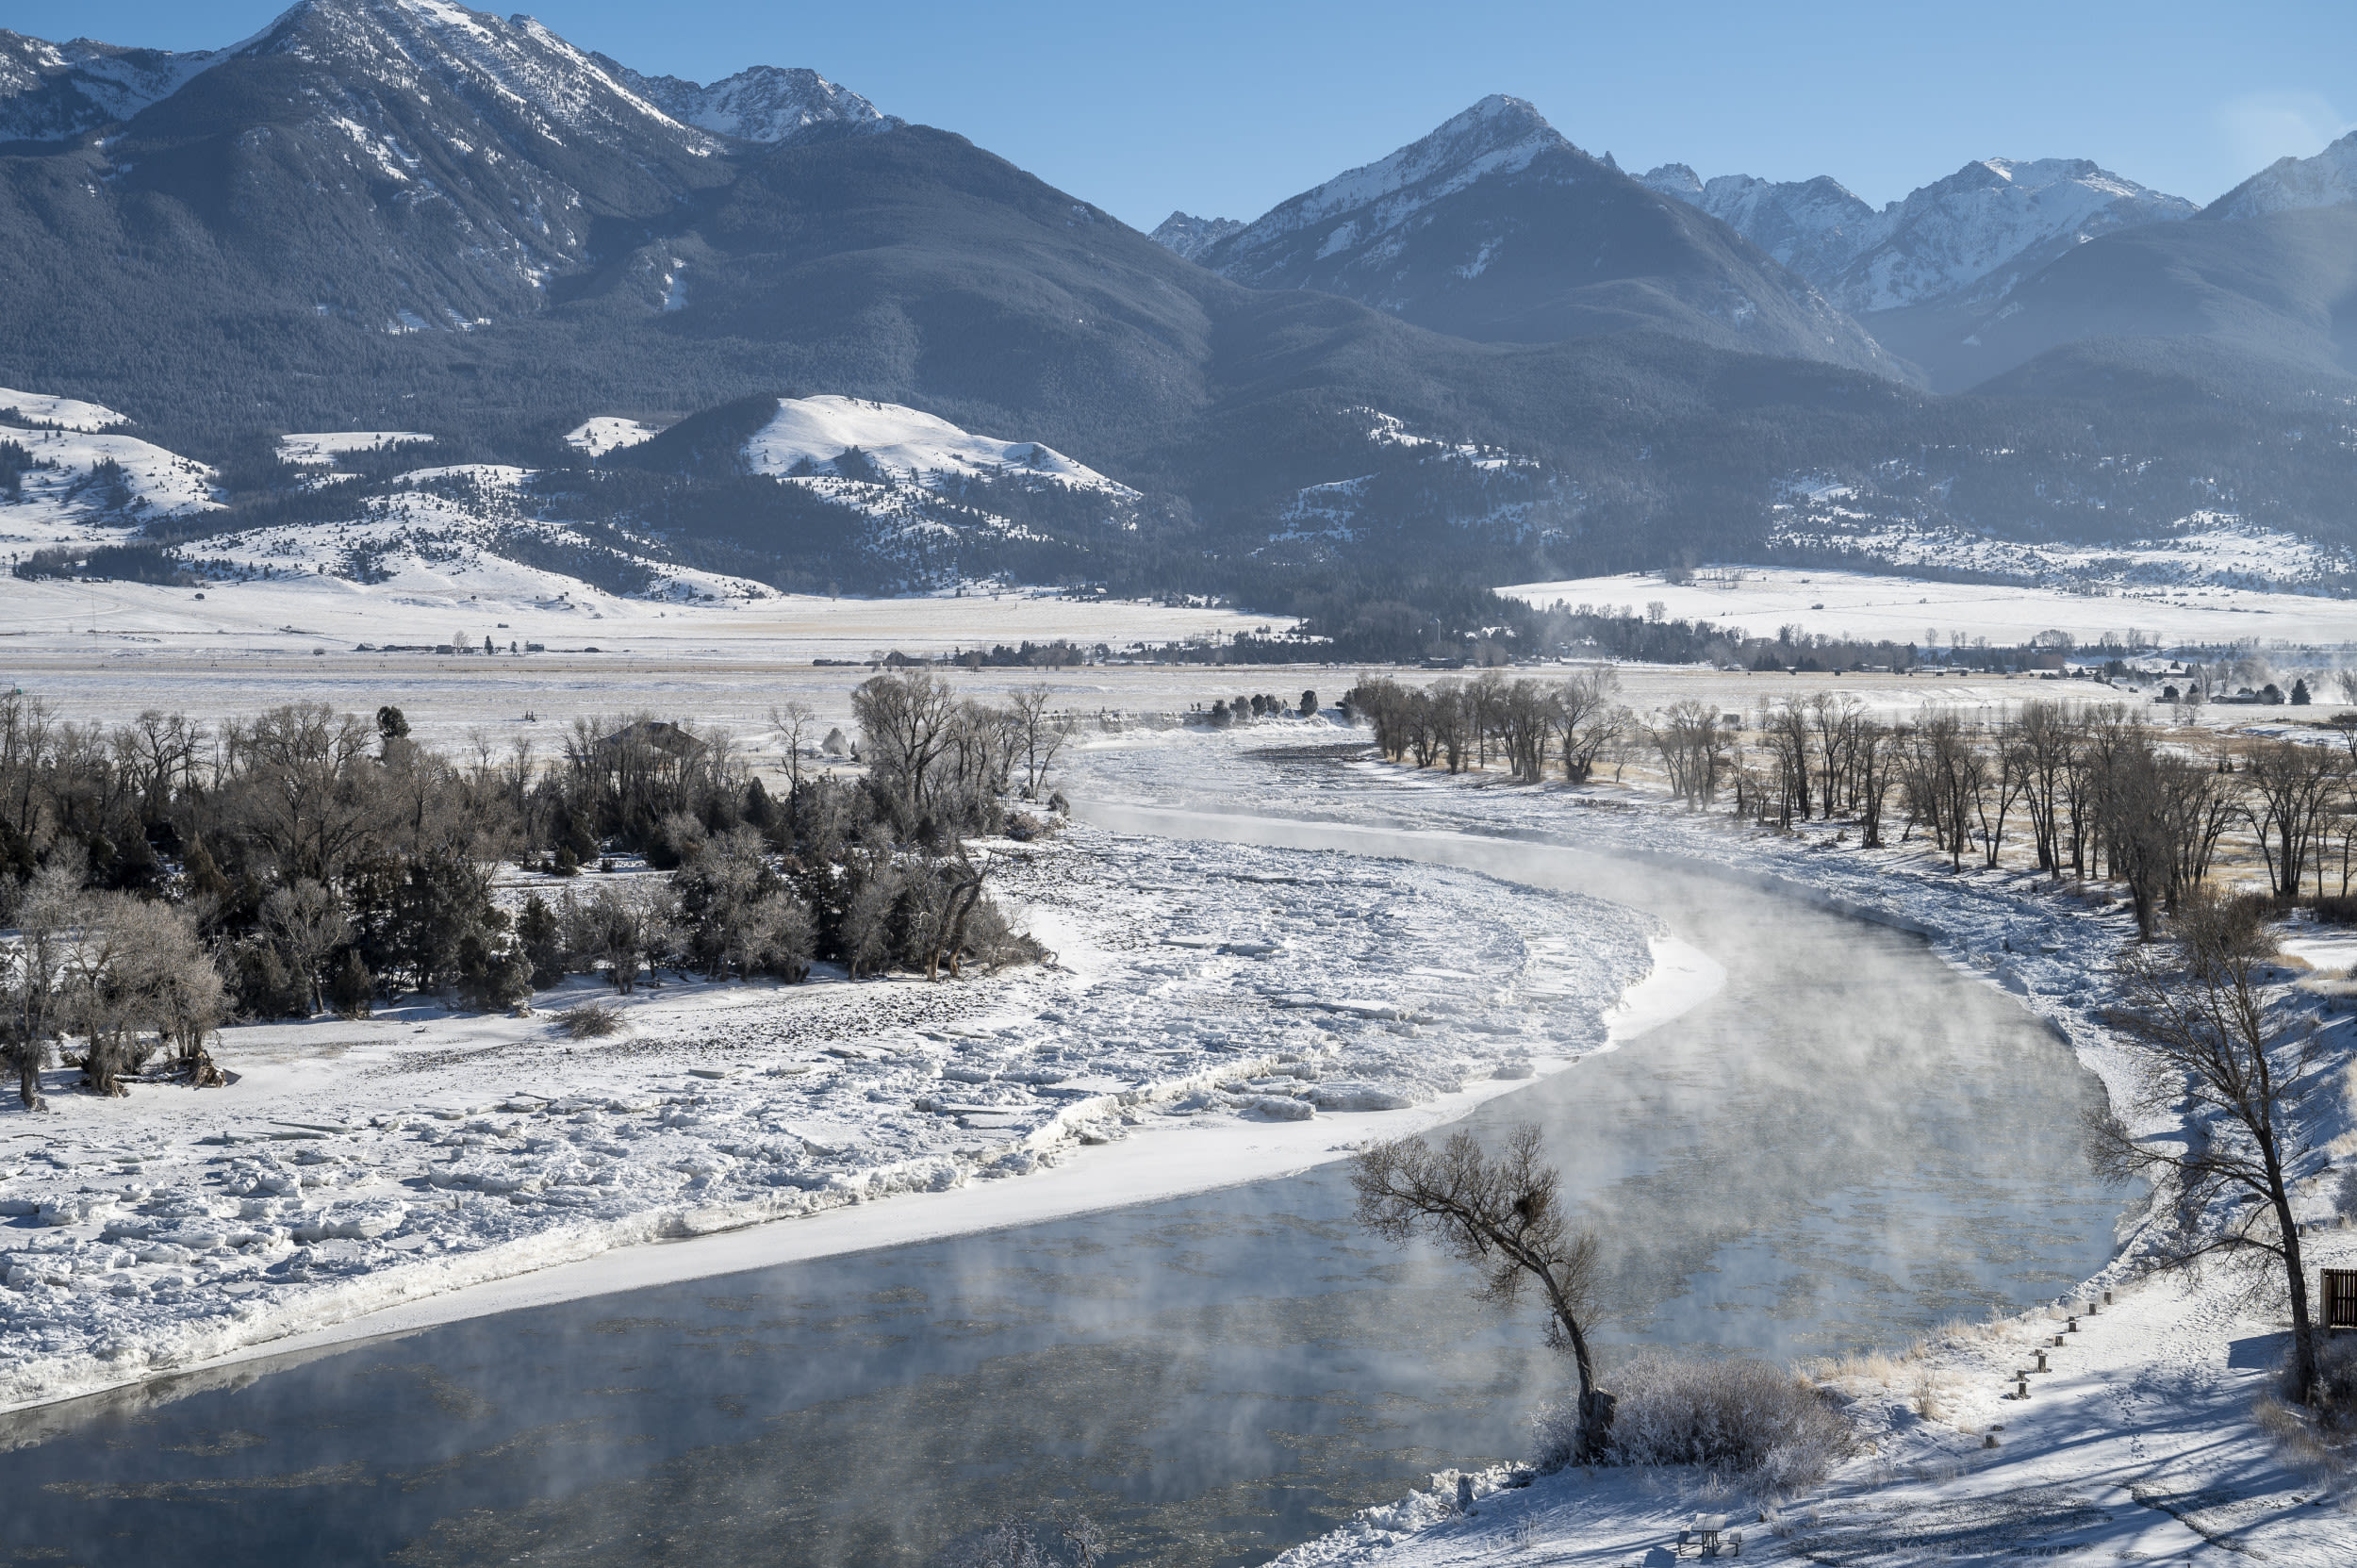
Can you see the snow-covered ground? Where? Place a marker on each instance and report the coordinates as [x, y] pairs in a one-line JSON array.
[[1760, 600], [903, 443], [2140, 1444], [608, 432], [65, 413], [1215, 1014], [325, 446]]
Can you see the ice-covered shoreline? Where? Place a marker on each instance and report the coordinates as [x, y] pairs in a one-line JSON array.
[[1218, 1013]]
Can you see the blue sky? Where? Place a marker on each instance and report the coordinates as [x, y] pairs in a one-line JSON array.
[[1222, 108]]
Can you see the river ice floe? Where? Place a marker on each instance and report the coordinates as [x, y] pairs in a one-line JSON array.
[[359, 1164]]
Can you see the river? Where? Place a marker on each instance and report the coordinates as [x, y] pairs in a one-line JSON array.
[[1848, 1145]]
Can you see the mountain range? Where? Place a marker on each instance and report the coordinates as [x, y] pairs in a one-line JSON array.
[[1486, 356]]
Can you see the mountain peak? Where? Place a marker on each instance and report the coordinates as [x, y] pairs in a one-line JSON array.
[[1674, 179], [1186, 235], [762, 103], [58, 91], [1498, 135], [1980, 229], [2327, 179]]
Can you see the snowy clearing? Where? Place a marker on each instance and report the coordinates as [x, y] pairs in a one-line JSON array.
[[1907, 610], [325, 446], [609, 433]]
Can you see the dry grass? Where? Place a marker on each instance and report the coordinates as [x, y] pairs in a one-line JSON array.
[[592, 1020], [2298, 1443]]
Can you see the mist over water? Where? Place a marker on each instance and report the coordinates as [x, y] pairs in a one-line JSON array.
[[1849, 1144]]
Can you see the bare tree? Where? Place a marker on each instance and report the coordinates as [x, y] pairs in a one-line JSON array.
[[1040, 735], [2203, 1038], [1589, 720], [1692, 748], [793, 724], [907, 720], [1502, 1215], [2290, 787], [46, 917], [305, 924]]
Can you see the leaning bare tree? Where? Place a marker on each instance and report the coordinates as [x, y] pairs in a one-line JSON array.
[[2201, 1036], [1502, 1215]]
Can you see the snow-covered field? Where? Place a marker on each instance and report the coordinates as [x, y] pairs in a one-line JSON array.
[[1910, 610], [1215, 1014]]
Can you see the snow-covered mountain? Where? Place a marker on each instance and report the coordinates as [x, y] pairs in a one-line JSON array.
[[1816, 227], [1187, 235], [2327, 179], [511, 77], [1975, 234], [1496, 227], [766, 103], [56, 91]]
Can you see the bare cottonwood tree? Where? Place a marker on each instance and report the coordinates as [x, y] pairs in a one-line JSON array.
[[1503, 1216], [1692, 748], [306, 923], [794, 725], [2206, 1044], [2291, 787], [46, 915], [1589, 719], [1041, 735]]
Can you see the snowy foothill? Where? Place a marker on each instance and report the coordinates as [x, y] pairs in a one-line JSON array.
[[64, 413], [811, 433], [69, 481], [2141, 1441], [1903, 609], [609, 433], [1212, 1014]]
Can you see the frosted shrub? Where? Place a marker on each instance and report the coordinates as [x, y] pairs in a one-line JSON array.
[[592, 1020], [1742, 1417]]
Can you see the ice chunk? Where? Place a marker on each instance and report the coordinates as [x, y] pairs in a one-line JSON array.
[[1347, 1094]]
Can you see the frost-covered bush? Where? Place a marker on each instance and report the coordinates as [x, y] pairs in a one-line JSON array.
[[1745, 1417], [592, 1020]]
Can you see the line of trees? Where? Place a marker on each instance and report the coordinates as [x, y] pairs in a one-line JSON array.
[[2085, 789], [165, 875], [1529, 725]]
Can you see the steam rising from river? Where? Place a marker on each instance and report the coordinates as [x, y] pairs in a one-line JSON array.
[[1848, 1144]]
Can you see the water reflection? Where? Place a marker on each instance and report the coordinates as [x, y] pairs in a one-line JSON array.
[[1848, 1145]]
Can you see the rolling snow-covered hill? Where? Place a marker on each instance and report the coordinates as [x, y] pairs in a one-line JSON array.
[[810, 435], [904, 494]]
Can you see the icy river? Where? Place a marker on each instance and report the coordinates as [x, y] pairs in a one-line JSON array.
[[1849, 1143]]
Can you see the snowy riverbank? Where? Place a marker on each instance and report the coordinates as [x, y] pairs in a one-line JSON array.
[[2139, 1444], [1216, 1014]]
